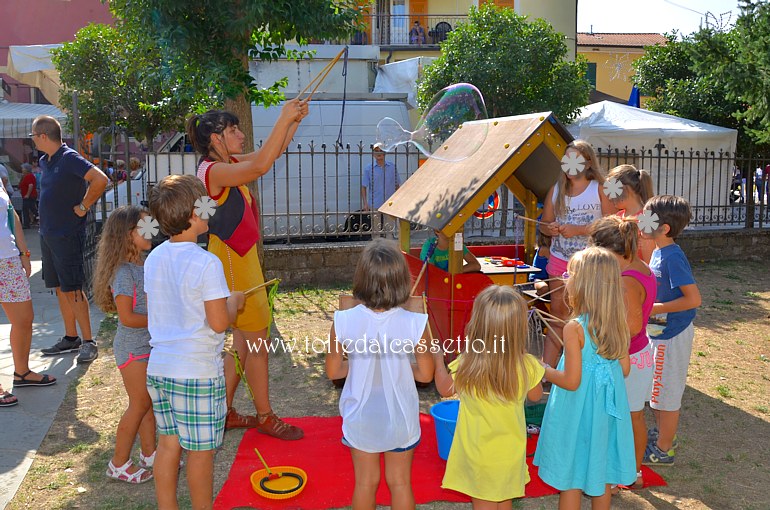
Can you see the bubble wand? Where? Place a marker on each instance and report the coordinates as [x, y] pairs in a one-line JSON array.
[[521, 217], [321, 76]]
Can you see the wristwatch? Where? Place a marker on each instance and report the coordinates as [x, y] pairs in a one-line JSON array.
[[82, 207], [25, 253]]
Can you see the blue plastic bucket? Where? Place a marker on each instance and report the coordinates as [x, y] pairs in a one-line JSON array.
[[445, 420]]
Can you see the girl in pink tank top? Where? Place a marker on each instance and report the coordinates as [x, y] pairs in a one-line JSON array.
[[620, 235]]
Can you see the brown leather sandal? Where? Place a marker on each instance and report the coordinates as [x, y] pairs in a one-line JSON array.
[[276, 427]]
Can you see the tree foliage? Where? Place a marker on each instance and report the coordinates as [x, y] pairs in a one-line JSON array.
[[715, 76], [206, 44], [116, 78], [748, 72], [519, 66]]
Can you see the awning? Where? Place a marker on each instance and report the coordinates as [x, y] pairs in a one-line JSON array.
[[32, 66], [16, 118]]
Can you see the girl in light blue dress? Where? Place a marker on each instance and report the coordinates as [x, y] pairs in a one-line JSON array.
[[586, 442]]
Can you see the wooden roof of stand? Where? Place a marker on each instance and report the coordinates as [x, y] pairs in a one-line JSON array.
[[523, 152]]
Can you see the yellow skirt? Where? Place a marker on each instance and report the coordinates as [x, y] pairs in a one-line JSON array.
[[243, 273]]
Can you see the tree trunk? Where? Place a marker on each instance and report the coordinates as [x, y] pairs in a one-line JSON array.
[[241, 107]]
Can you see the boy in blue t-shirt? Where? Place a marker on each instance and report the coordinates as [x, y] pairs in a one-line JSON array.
[[671, 329]]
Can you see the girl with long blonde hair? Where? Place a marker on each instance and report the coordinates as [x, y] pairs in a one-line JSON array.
[[586, 442], [492, 377], [572, 204], [119, 287]]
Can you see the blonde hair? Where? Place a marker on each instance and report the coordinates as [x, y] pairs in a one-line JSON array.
[[594, 289], [640, 181], [619, 235], [593, 172], [499, 317], [382, 280], [116, 246]]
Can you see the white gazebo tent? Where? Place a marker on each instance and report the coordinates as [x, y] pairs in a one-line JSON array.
[[703, 179]]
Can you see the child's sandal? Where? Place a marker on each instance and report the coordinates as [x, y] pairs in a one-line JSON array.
[[121, 473], [148, 462], [639, 483]]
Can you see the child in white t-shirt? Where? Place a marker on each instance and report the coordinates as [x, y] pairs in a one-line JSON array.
[[379, 404], [188, 311]]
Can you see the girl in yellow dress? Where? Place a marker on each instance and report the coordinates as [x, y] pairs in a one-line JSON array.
[[492, 378], [233, 236]]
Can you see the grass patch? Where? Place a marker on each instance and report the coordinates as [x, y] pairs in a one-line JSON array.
[[724, 391], [762, 409]]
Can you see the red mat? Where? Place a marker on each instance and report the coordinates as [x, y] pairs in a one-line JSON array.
[[330, 470]]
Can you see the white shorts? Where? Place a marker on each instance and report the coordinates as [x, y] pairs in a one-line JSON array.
[[671, 357], [639, 379]]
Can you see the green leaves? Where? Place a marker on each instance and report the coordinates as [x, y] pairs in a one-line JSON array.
[[205, 44], [519, 66], [715, 76]]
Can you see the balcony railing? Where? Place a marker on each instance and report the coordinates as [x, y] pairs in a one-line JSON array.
[[400, 29]]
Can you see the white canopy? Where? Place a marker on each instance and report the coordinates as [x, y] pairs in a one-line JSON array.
[[608, 124], [16, 118], [704, 180], [32, 65]]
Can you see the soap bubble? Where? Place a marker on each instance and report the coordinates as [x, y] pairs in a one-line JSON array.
[[449, 109]]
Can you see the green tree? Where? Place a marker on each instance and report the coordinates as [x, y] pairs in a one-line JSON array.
[[519, 66], [680, 77], [748, 73], [206, 45], [116, 79]]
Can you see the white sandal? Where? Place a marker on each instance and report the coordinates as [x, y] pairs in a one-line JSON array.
[[121, 473], [148, 462]]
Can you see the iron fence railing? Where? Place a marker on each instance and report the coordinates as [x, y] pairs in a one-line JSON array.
[[719, 185], [313, 192], [400, 30]]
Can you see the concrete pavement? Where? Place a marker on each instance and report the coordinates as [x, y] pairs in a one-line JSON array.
[[25, 425]]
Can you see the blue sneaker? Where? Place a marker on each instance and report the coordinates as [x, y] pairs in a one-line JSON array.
[[654, 456], [652, 437]]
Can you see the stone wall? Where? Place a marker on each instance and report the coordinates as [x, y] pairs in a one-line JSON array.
[[334, 263]]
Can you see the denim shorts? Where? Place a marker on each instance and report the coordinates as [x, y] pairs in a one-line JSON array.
[[394, 450]]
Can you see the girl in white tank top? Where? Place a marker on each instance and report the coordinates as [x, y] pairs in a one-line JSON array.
[[379, 404], [572, 204]]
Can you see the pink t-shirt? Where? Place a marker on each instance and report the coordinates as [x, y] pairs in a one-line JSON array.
[[650, 284]]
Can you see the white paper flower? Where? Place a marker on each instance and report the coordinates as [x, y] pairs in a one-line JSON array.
[[148, 227], [205, 207], [613, 188], [648, 222], [572, 163]]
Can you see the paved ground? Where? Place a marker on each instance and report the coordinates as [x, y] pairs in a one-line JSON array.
[[24, 426]]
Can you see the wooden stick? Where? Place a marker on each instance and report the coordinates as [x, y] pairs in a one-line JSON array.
[[551, 330], [532, 283], [519, 216], [543, 295], [254, 289], [321, 76], [425, 310], [419, 277], [552, 316]]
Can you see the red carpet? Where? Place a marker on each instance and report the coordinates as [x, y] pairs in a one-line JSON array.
[[330, 471]]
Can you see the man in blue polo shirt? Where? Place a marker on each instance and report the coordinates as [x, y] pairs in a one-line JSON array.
[[378, 182], [70, 185]]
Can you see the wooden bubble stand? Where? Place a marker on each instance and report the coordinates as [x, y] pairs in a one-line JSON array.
[[523, 153]]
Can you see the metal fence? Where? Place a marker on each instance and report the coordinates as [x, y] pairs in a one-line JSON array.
[[719, 185], [313, 192]]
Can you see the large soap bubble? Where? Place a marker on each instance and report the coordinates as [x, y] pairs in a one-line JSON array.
[[449, 109]]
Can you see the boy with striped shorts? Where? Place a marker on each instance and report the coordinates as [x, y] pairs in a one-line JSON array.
[[188, 309]]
